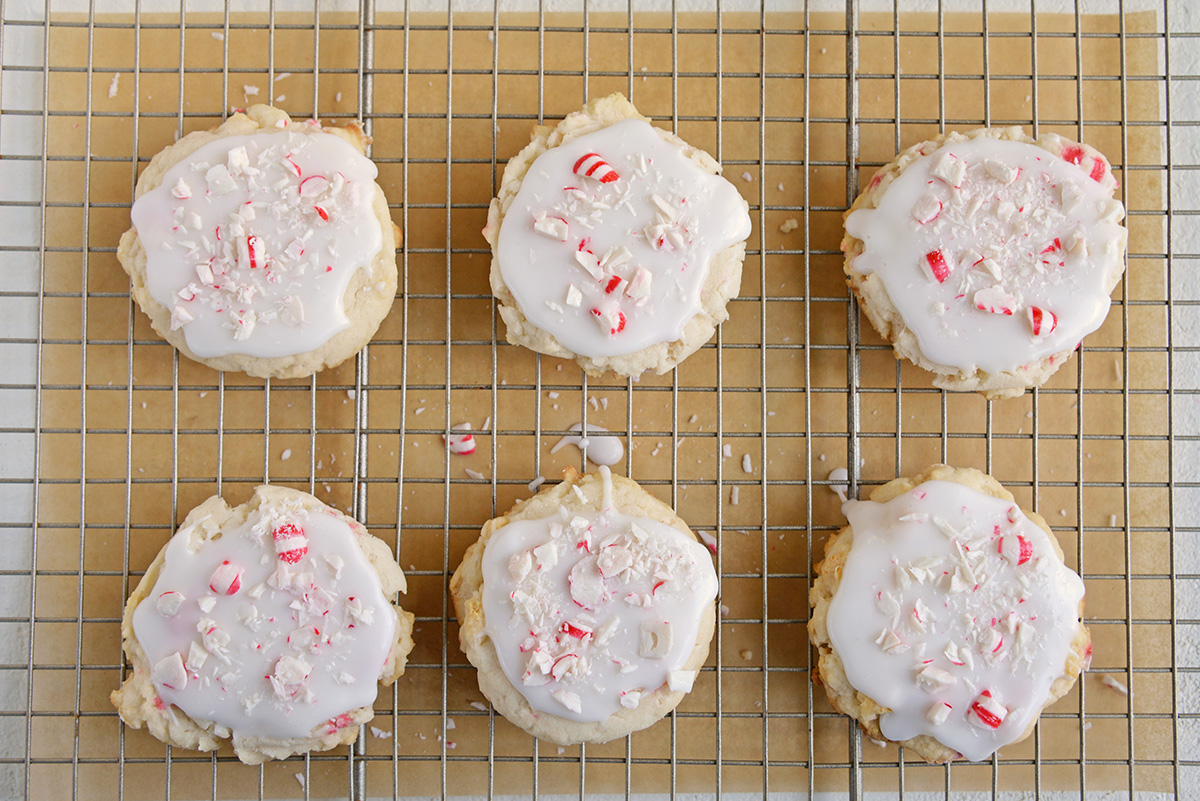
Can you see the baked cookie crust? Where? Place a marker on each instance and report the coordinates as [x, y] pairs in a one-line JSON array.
[[138, 702], [369, 294], [466, 590], [720, 285], [882, 312], [830, 672]]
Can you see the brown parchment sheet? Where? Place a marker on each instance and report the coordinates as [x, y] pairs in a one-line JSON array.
[[160, 434]]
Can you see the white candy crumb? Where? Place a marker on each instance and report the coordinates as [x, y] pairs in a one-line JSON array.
[[839, 474], [479, 706], [475, 474], [220, 37], [724, 610], [789, 225], [249, 90], [418, 410], [552, 395], [350, 394], [450, 744], [379, 733], [537, 482], [449, 724], [681, 680], [1112, 521], [300, 780], [780, 187], [693, 418], [727, 451], [747, 466], [287, 454], [280, 99], [282, 75], [337, 98], [112, 87], [733, 495], [1109, 681], [747, 177]]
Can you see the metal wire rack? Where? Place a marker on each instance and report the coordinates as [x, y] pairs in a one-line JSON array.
[[120, 437]]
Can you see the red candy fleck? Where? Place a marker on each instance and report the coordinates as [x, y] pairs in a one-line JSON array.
[[340, 722], [937, 265], [1098, 170], [290, 543], [295, 166], [252, 249], [324, 215], [613, 283], [1073, 154]]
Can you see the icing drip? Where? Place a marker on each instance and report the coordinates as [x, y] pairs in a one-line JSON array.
[[252, 240], [299, 641], [600, 450], [996, 253], [954, 612], [589, 612], [610, 237]]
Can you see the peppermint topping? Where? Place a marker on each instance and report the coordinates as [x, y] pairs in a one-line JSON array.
[[1020, 247], [251, 241], [589, 611], [289, 628], [955, 612], [609, 239]]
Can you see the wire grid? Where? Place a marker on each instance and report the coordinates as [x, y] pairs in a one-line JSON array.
[[128, 437]]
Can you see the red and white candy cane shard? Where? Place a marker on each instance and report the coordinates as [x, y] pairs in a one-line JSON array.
[[1041, 321], [592, 166], [986, 712], [290, 543], [226, 579], [168, 603], [170, 672], [935, 266], [463, 444], [995, 300], [1077, 155], [253, 250], [610, 320], [1015, 548]]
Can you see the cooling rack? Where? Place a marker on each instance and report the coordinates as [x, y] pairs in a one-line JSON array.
[[110, 437]]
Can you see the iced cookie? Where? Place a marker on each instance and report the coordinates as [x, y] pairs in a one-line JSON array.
[[270, 623], [264, 245], [944, 616], [987, 257], [614, 243], [588, 609]]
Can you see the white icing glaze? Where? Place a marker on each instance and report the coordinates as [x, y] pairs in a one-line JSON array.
[[600, 450], [1020, 233], [252, 240], [952, 597], [611, 266], [296, 639], [589, 612]]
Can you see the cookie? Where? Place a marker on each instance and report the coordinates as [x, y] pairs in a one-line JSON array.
[[268, 623], [944, 617], [264, 245], [614, 243], [987, 257], [588, 609]]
